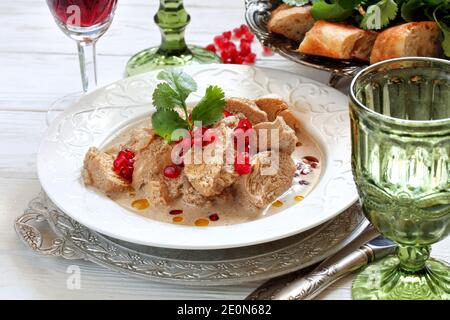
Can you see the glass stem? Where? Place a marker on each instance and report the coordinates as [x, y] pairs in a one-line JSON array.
[[413, 258], [88, 66], [172, 20]]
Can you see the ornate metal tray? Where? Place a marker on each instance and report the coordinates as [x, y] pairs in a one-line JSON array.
[[71, 240], [257, 14]]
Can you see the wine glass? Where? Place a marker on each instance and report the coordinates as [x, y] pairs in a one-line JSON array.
[[172, 20], [85, 21], [400, 115]]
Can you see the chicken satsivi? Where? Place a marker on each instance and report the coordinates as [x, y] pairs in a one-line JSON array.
[[229, 172]]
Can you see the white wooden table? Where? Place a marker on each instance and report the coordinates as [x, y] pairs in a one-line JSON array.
[[38, 64]]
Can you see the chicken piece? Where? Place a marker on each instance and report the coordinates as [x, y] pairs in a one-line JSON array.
[[408, 39], [287, 140], [338, 41], [272, 105], [290, 119], [264, 185], [208, 171], [151, 161], [247, 107], [192, 197], [98, 172], [291, 22], [157, 192], [140, 139]]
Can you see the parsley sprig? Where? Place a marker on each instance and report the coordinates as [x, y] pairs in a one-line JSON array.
[[169, 99]]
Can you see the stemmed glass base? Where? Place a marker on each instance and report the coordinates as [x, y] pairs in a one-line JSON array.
[[386, 280], [154, 58]]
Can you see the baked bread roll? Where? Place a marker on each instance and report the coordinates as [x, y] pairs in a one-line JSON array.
[[291, 22], [409, 39], [338, 41]]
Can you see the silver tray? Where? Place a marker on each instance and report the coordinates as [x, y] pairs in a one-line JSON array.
[[68, 239], [257, 14]]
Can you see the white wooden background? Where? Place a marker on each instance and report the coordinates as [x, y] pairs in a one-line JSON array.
[[38, 64]]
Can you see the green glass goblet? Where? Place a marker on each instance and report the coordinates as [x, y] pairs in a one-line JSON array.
[[172, 20], [400, 116]]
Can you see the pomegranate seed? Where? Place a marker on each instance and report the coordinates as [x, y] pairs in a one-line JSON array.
[[245, 47], [126, 173], [227, 35], [218, 40], [175, 212], [244, 28], [211, 47], [242, 164], [237, 32], [128, 153], [172, 171], [214, 217], [244, 124], [239, 59], [250, 58], [249, 36], [314, 165], [267, 51], [209, 137], [119, 163], [227, 114], [229, 46]]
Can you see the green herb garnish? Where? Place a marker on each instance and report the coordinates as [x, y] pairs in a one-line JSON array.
[[169, 98]]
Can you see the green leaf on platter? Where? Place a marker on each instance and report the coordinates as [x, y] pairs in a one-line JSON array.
[[210, 108], [165, 122], [411, 9], [179, 81], [444, 24], [165, 98], [322, 10], [379, 15], [349, 4]]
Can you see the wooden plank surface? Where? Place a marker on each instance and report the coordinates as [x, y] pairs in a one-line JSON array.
[[39, 64]]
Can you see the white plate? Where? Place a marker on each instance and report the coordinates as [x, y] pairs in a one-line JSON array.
[[322, 111]]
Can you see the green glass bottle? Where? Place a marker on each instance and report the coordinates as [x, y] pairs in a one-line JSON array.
[[400, 115], [172, 19]]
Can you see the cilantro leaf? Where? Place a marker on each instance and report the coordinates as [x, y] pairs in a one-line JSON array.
[[379, 15], [444, 24], [322, 10], [210, 108], [165, 98], [180, 82], [165, 122], [297, 3]]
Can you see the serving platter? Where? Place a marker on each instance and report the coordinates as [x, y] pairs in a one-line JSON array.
[[323, 114], [257, 15], [71, 240]]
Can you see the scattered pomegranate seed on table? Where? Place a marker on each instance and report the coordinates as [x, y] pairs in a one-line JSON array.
[[224, 46], [267, 51]]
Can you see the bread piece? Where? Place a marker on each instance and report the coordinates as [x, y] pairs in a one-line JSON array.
[[409, 39], [338, 41], [291, 22], [272, 104]]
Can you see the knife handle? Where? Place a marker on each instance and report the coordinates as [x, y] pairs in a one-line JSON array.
[[324, 275]]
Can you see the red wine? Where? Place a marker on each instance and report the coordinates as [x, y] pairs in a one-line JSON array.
[[83, 13]]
